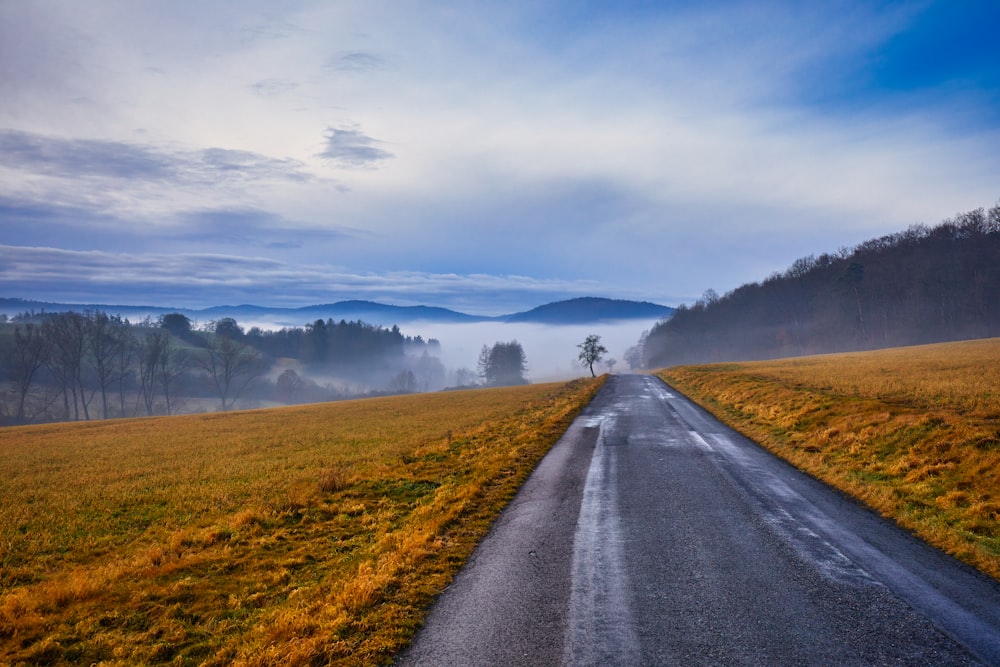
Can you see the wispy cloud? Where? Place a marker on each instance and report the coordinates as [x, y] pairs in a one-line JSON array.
[[357, 61], [251, 228], [120, 193], [237, 229], [55, 156], [89, 158], [348, 147], [273, 87]]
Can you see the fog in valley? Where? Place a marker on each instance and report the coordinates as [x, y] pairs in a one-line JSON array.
[[551, 350]]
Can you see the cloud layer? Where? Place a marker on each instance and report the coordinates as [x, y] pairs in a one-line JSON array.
[[413, 153], [183, 279]]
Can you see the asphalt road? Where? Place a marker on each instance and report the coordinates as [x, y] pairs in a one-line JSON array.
[[653, 535]]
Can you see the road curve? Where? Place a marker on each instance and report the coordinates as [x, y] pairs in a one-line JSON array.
[[651, 534]]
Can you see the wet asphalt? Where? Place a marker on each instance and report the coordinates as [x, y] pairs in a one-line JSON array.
[[651, 534]]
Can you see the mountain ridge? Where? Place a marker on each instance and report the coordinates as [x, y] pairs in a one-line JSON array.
[[586, 309], [580, 310]]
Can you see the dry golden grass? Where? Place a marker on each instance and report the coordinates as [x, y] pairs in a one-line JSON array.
[[294, 536], [913, 432]]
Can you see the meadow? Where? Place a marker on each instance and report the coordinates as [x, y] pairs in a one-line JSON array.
[[292, 536], [913, 432]]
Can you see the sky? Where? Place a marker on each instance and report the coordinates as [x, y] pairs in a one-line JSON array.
[[483, 156]]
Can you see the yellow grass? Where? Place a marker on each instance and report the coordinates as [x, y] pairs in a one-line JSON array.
[[296, 536], [913, 432]]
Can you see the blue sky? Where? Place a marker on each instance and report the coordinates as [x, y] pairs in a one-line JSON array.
[[484, 156]]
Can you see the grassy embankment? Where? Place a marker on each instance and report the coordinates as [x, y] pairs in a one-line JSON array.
[[913, 432], [289, 536]]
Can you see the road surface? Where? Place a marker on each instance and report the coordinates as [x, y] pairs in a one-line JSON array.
[[653, 535]]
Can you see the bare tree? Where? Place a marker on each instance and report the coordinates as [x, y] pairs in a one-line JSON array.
[[465, 377], [67, 334], [430, 372], [105, 337], [151, 352], [403, 383], [634, 356], [29, 354], [123, 367], [483, 364], [232, 367], [851, 281], [289, 387], [174, 363], [591, 351]]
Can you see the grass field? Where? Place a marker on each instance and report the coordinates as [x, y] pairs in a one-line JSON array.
[[292, 536], [913, 432]]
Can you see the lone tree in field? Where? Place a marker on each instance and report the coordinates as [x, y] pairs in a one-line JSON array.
[[591, 351]]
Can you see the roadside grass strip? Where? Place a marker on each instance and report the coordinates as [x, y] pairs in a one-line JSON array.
[[294, 536], [912, 432]]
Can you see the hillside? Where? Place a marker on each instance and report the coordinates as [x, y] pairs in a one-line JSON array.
[[585, 310], [922, 285]]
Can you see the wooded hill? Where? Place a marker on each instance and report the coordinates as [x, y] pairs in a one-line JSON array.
[[923, 285]]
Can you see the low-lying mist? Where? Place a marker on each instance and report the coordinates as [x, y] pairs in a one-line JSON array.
[[551, 350]]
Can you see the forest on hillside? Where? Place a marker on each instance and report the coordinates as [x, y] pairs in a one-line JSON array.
[[922, 285]]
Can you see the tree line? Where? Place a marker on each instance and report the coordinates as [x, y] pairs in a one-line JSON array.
[[922, 285], [73, 366], [81, 366]]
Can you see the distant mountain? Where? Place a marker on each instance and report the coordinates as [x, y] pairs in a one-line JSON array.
[[574, 311], [367, 311], [371, 309], [585, 310]]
